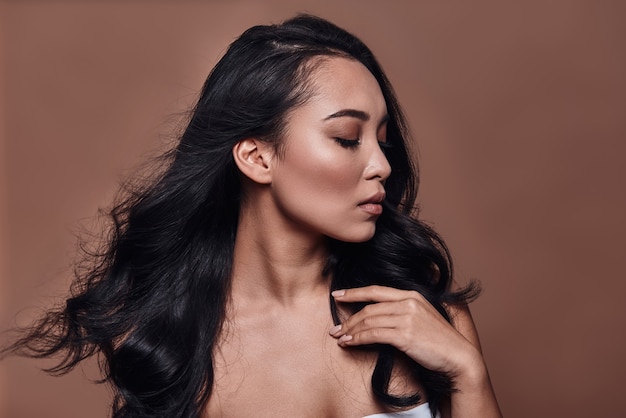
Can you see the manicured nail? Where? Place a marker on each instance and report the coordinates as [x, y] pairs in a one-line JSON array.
[[344, 338], [338, 293], [335, 329]]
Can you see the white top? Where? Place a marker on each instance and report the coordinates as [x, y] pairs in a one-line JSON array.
[[420, 411]]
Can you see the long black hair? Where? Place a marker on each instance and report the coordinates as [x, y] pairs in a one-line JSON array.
[[151, 301]]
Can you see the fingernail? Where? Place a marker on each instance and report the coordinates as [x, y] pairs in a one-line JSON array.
[[338, 293], [335, 329], [344, 338]]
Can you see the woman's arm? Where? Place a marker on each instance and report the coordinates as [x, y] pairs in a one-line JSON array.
[[475, 396], [407, 321]]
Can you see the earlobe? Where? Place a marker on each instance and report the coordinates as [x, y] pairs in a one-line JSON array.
[[253, 157]]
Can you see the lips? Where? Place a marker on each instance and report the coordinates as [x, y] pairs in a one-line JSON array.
[[373, 205]]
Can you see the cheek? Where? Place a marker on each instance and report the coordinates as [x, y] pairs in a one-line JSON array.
[[318, 190], [322, 177], [322, 170]]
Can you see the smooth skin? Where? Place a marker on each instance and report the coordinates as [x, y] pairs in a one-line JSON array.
[[405, 320], [276, 356]]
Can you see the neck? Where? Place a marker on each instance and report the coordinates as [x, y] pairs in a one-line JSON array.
[[274, 261]]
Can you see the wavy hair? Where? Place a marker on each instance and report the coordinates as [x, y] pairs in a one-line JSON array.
[[151, 301]]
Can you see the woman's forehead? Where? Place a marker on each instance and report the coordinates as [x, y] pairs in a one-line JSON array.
[[338, 84]]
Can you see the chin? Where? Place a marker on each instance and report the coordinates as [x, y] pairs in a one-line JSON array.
[[356, 236]]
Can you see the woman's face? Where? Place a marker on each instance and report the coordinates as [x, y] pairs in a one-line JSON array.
[[330, 178]]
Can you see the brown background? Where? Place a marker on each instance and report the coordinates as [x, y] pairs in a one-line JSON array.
[[518, 109]]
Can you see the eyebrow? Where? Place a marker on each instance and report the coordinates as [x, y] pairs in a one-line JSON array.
[[353, 113]]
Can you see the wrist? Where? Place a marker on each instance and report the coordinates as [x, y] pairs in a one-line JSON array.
[[473, 395], [472, 373]]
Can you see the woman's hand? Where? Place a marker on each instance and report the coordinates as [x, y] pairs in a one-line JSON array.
[[407, 321]]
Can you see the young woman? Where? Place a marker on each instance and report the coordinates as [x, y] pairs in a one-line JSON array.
[[276, 266]]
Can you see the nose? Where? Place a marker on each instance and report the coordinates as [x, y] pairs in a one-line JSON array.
[[378, 166]]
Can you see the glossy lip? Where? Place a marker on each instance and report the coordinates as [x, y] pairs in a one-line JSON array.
[[373, 204]]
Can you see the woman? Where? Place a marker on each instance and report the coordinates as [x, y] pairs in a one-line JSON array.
[[275, 267]]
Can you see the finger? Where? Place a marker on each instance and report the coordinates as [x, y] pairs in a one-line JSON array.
[[372, 322], [369, 311], [389, 336], [373, 294]]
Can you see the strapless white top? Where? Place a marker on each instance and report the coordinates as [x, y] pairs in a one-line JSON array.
[[420, 411]]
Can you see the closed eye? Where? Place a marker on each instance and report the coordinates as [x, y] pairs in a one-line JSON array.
[[348, 143], [385, 146]]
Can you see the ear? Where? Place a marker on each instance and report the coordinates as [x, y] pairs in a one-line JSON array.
[[253, 158]]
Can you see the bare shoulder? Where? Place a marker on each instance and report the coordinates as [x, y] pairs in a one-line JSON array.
[[464, 323]]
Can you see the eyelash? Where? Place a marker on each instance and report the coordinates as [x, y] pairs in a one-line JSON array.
[[348, 143], [385, 146], [353, 143]]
